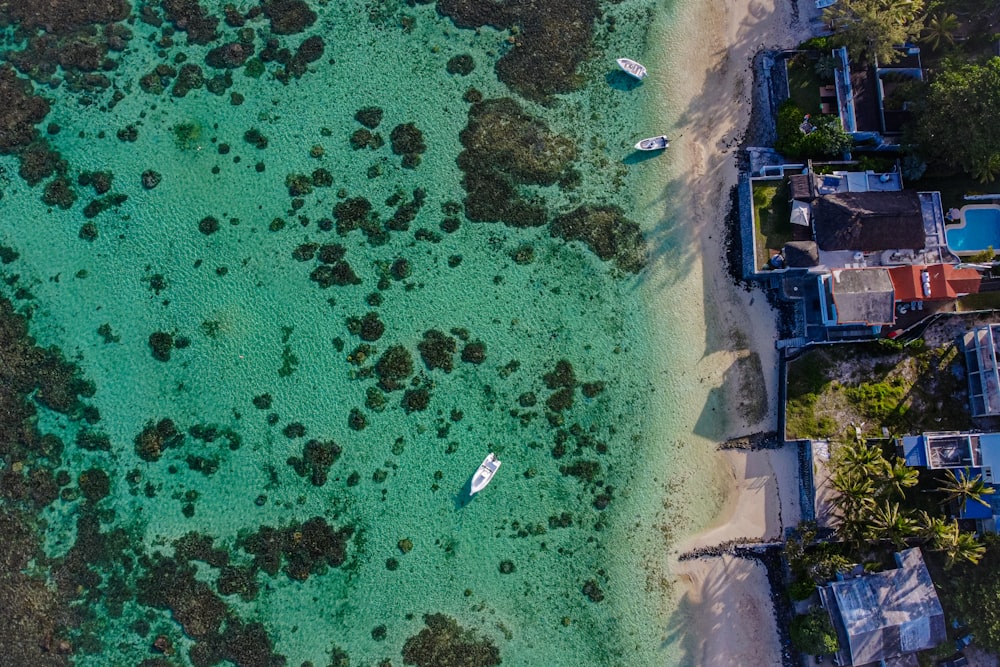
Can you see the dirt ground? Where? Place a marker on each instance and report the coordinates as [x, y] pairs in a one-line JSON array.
[[923, 387]]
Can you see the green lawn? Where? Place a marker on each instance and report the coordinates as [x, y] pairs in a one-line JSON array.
[[803, 83], [772, 227]]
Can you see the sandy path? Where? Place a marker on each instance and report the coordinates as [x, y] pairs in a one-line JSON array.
[[727, 599]]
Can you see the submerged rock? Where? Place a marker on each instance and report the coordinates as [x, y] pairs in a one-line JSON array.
[[607, 232], [444, 642], [437, 350], [506, 148]]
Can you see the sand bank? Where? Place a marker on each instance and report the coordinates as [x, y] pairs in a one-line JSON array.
[[710, 60]]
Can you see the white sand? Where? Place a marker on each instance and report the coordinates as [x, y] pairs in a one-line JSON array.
[[709, 58], [728, 601]]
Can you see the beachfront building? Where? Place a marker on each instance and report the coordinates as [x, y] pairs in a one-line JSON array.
[[877, 297], [868, 97], [964, 453], [866, 257], [883, 616], [981, 365]]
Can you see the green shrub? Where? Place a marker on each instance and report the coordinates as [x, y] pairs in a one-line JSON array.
[[801, 589], [827, 139], [879, 401], [816, 44], [813, 633]]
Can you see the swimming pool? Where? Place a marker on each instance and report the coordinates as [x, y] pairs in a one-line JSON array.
[[978, 230]]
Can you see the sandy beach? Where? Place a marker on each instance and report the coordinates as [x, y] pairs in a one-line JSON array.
[[726, 599]]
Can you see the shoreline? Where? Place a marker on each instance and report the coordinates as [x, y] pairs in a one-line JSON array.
[[727, 598]]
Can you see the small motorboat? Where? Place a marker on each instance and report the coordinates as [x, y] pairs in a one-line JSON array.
[[485, 473], [632, 68], [653, 143]]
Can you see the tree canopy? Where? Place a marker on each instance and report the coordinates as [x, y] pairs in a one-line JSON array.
[[971, 593], [956, 120], [813, 633], [874, 27], [825, 139]]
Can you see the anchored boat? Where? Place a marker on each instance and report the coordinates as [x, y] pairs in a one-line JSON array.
[[632, 68], [653, 143], [485, 473]]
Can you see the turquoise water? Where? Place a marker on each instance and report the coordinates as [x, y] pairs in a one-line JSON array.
[[548, 564], [981, 230]]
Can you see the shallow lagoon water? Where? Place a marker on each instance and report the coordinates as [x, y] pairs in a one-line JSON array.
[[257, 324]]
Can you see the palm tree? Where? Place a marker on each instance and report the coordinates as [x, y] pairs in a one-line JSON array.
[[964, 547], [940, 29], [860, 458], [899, 477], [855, 492], [888, 521], [938, 532], [964, 488], [985, 170]]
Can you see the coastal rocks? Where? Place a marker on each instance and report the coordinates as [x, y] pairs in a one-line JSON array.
[[219, 634], [160, 344], [607, 232], [416, 399], [39, 161], [370, 117], [94, 484], [474, 352], [190, 77], [22, 111], [317, 458], [437, 349], [462, 65], [351, 214], [362, 138], [369, 328], [99, 180], [229, 55], [190, 17], [506, 148], [63, 16], [157, 437], [236, 580], [394, 366], [306, 549], [59, 192], [558, 33], [408, 141], [593, 590], [254, 137], [337, 274], [208, 225], [150, 179], [288, 17], [444, 642]]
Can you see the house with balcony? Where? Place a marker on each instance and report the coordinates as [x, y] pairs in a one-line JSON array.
[[963, 453]]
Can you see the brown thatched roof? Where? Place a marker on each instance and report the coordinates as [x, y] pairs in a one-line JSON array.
[[868, 221], [800, 254], [800, 187]]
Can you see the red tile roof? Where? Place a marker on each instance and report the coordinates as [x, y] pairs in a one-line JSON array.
[[946, 282]]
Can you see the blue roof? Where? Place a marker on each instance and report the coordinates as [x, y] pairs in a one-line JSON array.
[[914, 451]]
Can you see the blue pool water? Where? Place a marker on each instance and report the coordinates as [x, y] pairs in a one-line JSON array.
[[981, 230]]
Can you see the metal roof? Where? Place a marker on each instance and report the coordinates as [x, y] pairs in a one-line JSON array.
[[891, 613]]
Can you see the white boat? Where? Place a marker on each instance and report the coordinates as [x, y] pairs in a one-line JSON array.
[[653, 143], [632, 67], [485, 473]]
